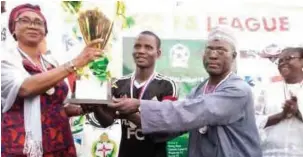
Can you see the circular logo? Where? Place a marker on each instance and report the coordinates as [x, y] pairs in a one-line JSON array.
[[271, 50]]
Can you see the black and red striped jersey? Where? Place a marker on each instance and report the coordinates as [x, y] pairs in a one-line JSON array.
[[134, 143]]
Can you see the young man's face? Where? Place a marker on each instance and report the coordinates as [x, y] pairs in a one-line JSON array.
[[146, 51]]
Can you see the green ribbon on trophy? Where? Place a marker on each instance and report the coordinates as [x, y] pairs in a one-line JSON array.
[[99, 68]]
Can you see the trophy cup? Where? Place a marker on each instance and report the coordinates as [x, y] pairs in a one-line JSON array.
[[93, 84]]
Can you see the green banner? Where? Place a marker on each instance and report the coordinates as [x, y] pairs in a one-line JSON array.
[[181, 60]]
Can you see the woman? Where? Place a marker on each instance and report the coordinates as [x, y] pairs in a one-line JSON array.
[[34, 121], [280, 106]]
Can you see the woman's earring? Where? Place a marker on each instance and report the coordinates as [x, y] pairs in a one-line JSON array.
[[14, 35]]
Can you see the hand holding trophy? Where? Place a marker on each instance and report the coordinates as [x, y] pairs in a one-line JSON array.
[[88, 54], [93, 84]]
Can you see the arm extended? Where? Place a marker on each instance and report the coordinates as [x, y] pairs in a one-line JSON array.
[[222, 107]]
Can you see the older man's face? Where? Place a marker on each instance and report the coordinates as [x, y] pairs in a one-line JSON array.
[[218, 57]]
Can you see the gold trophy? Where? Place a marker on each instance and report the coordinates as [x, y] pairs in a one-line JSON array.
[[93, 84]]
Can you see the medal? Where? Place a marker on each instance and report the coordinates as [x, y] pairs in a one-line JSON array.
[[203, 130], [50, 91]]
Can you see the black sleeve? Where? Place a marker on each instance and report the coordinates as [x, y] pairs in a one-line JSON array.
[[104, 115], [169, 90], [116, 88], [169, 93]]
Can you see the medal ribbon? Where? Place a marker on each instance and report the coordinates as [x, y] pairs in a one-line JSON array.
[[203, 130], [42, 68], [29, 59], [144, 87], [204, 89]]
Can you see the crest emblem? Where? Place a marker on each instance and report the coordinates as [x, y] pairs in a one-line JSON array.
[[179, 55], [104, 147]]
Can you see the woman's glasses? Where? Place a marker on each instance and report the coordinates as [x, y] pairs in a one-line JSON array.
[[287, 59], [28, 22]]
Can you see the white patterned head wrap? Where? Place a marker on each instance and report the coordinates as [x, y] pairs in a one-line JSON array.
[[223, 33]]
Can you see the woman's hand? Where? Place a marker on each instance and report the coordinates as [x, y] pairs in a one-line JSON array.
[[78, 110], [73, 110], [88, 54], [290, 107]]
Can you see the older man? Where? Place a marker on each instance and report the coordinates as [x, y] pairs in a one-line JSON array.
[[219, 113]]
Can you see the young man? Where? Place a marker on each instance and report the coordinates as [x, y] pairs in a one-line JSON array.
[[219, 113], [145, 84]]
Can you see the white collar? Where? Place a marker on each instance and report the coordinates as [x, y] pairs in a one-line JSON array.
[[139, 85]]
